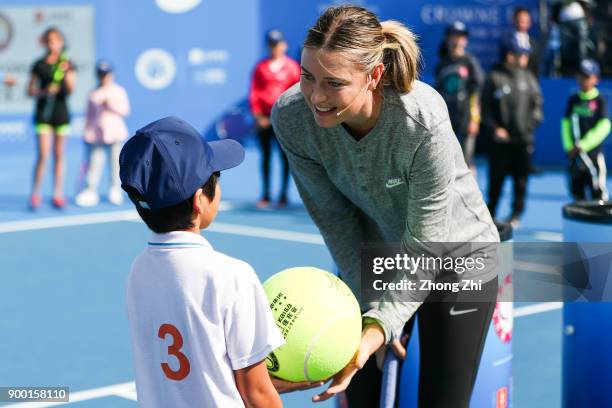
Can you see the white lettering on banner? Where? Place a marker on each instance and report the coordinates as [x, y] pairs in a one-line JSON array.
[[436, 14], [13, 131], [198, 56], [177, 6], [211, 76], [155, 69]]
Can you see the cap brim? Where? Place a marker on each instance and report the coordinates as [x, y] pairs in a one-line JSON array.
[[227, 153]]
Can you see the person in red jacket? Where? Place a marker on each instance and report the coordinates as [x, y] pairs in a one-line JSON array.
[[272, 76]]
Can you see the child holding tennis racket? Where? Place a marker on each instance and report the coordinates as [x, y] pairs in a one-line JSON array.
[[52, 79], [584, 128]]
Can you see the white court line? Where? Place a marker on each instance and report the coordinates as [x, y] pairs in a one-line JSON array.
[[537, 308], [80, 219], [535, 267], [303, 237], [132, 215], [67, 221], [547, 236]]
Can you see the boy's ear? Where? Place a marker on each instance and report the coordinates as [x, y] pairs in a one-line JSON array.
[[199, 202]]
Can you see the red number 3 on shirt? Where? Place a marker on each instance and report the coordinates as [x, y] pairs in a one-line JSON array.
[[174, 350]]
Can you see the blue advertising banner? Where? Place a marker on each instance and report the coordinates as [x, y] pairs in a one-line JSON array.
[[194, 58]]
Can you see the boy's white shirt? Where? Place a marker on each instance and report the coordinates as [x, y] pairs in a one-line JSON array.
[[217, 305]]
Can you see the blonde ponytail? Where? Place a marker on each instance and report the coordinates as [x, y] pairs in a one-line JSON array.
[[401, 56]]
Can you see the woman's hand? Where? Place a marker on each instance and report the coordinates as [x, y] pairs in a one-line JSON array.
[[372, 338], [283, 387]]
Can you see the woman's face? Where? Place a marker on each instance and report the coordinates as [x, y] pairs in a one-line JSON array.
[[334, 88], [54, 42]]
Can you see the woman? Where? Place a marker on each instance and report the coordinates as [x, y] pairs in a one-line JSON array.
[[375, 159], [459, 79], [52, 79]]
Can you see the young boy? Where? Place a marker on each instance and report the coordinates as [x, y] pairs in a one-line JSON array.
[[584, 128], [200, 323]]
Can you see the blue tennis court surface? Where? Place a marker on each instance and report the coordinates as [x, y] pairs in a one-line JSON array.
[[62, 299]]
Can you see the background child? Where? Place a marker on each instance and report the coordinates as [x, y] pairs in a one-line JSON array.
[[105, 130], [584, 128], [52, 79]]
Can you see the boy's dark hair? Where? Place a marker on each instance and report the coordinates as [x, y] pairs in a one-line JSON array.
[[176, 217], [520, 9]]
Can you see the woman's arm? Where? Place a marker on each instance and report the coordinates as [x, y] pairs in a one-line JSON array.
[[336, 217]]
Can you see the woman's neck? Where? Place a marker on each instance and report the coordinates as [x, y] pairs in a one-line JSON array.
[[364, 122]]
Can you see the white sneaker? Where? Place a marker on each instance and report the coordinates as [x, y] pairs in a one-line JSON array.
[[87, 198], [115, 196]]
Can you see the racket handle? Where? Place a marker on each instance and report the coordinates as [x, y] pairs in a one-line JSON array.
[[389, 380]]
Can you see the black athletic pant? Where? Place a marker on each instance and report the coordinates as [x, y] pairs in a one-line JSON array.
[[450, 351], [266, 138], [580, 178], [504, 159]]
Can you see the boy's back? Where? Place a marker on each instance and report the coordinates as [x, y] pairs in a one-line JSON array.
[[196, 315]]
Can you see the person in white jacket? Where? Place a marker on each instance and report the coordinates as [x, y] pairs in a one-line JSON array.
[[105, 130]]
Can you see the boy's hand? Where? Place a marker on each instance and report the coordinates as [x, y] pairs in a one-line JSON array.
[[283, 386], [573, 153], [372, 338]]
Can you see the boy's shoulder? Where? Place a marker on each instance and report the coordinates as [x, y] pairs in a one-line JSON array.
[[195, 254]]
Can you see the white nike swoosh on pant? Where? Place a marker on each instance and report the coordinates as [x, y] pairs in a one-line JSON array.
[[454, 312]]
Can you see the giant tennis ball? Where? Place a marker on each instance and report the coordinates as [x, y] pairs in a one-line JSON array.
[[320, 321]]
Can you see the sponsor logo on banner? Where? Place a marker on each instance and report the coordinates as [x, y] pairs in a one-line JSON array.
[[13, 130], [6, 32], [502, 315], [155, 69], [199, 56], [501, 400], [177, 6]]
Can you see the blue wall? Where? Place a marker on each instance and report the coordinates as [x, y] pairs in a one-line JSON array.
[[216, 44]]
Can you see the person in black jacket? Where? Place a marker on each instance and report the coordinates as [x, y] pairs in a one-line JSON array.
[[459, 78], [511, 109]]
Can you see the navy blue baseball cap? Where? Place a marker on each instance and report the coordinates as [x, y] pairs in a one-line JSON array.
[[457, 27], [589, 67], [104, 67], [167, 161], [274, 36], [516, 44]]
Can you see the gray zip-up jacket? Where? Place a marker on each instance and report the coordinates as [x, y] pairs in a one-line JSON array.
[[406, 181]]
